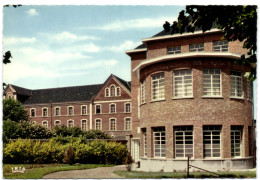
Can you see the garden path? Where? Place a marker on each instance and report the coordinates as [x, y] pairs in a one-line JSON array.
[[97, 173]]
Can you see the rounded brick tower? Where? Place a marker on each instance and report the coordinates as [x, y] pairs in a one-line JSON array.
[[190, 97]]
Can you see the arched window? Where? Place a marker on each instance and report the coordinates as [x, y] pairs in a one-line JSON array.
[[98, 109], [107, 92], [127, 107], [112, 108], [112, 124], [112, 91], [118, 92], [70, 123], [128, 124], [57, 123], [98, 124], [45, 123], [33, 112], [84, 124]]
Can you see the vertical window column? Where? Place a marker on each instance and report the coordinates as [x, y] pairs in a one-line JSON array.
[[236, 137], [182, 83], [183, 141], [159, 142], [211, 141], [157, 83], [212, 83], [236, 88]]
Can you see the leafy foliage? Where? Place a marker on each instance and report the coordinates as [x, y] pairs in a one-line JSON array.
[[64, 131], [237, 23], [95, 152], [14, 110], [24, 130]]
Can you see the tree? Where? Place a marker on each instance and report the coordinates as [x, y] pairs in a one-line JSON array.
[[237, 23], [13, 110]]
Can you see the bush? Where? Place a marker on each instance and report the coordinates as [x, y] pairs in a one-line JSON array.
[[24, 130], [13, 110], [94, 152]]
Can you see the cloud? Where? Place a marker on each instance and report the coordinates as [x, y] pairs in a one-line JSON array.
[[124, 46], [17, 41], [68, 37], [32, 12], [134, 24]]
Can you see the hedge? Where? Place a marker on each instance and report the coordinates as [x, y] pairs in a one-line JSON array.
[[27, 151]]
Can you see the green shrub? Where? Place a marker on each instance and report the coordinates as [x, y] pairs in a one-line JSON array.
[[36, 152], [24, 130]]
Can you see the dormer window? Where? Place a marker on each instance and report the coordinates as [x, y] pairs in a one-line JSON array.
[[220, 46], [112, 91], [197, 47], [118, 92], [174, 50], [107, 92]]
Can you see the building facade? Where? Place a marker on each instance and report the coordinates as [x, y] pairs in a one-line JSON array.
[[190, 98], [105, 107]]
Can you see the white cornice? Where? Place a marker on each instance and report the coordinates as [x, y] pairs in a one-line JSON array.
[[113, 101], [180, 35], [186, 55], [135, 50]]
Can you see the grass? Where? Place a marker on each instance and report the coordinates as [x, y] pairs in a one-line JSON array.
[[155, 175], [37, 171]]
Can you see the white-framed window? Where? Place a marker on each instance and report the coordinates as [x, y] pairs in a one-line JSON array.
[[183, 141], [143, 91], [44, 112], [112, 90], [57, 111], [212, 83], [45, 123], [34, 122], [197, 47], [57, 123], [112, 124], [211, 141], [220, 46], [127, 107], [112, 108], [70, 123], [249, 90], [128, 124], [236, 140], [157, 83], [118, 91], [182, 83], [98, 124], [107, 92], [9, 95], [33, 112], [83, 110], [145, 141], [236, 88], [84, 124], [174, 50], [98, 109], [159, 141], [70, 110]]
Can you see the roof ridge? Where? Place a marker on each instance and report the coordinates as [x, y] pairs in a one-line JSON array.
[[66, 87]]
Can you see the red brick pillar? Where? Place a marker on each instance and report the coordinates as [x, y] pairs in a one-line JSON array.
[[198, 141], [225, 141], [245, 143], [169, 141], [149, 142]]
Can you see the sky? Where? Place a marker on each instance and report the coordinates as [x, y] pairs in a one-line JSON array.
[[66, 45], [72, 45]]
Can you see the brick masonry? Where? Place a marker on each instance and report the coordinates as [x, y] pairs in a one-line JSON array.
[[196, 111]]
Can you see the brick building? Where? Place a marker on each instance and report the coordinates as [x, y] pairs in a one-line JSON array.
[[190, 98], [104, 106]]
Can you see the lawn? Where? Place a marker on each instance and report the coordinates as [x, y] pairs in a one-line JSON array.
[[155, 175], [37, 171]]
